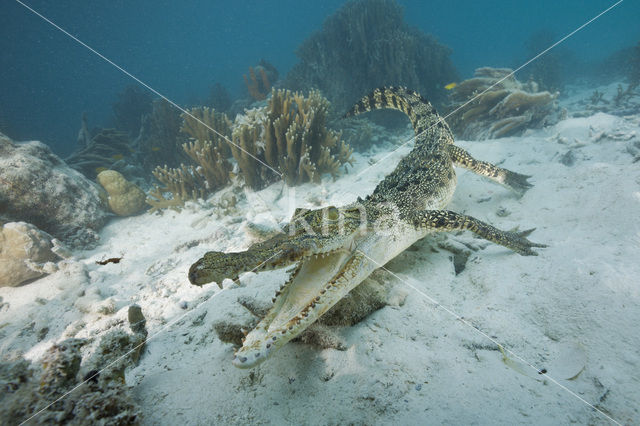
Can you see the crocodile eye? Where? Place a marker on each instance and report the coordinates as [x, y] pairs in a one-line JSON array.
[[332, 213]]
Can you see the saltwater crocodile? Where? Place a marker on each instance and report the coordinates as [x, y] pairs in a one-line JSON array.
[[336, 248]]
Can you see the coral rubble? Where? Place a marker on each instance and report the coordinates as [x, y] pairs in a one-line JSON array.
[[364, 45], [65, 387], [54, 391], [494, 104]]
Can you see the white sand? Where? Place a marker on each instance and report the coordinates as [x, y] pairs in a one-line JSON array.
[[572, 309]]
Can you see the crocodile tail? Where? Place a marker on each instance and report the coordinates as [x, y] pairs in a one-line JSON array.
[[418, 109]]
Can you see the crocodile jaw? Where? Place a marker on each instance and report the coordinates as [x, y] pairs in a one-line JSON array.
[[318, 284]]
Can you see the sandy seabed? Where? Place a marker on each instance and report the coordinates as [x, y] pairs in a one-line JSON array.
[[573, 310]]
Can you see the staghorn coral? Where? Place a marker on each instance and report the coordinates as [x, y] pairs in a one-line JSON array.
[[208, 150], [367, 44], [291, 136], [257, 85], [183, 184], [205, 124], [288, 135], [494, 104]]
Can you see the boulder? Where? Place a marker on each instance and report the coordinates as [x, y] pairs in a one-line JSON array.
[[37, 187], [26, 253]]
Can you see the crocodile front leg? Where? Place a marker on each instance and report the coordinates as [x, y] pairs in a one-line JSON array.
[[516, 181], [445, 220]]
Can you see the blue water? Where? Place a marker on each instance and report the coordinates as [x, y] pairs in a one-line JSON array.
[[183, 48]]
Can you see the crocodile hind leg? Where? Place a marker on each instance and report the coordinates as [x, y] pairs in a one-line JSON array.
[[445, 220], [513, 180]]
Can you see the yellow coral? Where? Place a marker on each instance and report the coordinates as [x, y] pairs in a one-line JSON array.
[[125, 198]]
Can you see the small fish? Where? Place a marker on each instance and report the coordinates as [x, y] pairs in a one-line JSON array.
[[100, 169], [117, 157], [155, 148], [450, 86]]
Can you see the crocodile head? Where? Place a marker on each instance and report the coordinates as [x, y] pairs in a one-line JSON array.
[[323, 244], [309, 234]]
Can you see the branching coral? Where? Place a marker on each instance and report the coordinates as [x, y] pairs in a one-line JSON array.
[[291, 136], [498, 105], [257, 85], [364, 45], [205, 124], [208, 150]]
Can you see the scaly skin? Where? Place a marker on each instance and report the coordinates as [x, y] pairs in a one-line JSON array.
[[335, 249]]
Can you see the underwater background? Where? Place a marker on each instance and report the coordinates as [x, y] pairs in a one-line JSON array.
[[142, 243], [183, 48]]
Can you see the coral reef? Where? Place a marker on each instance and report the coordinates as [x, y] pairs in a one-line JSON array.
[[364, 45], [208, 150], [482, 108], [257, 85], [260, 80], [291, 136], [160, 141], [207, 125], [107, 149], [125, 198], [26, 253], [39, 188], [133, 103]]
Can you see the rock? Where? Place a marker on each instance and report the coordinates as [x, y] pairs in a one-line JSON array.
[[26, 253], [37, 187], [125, 198]]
